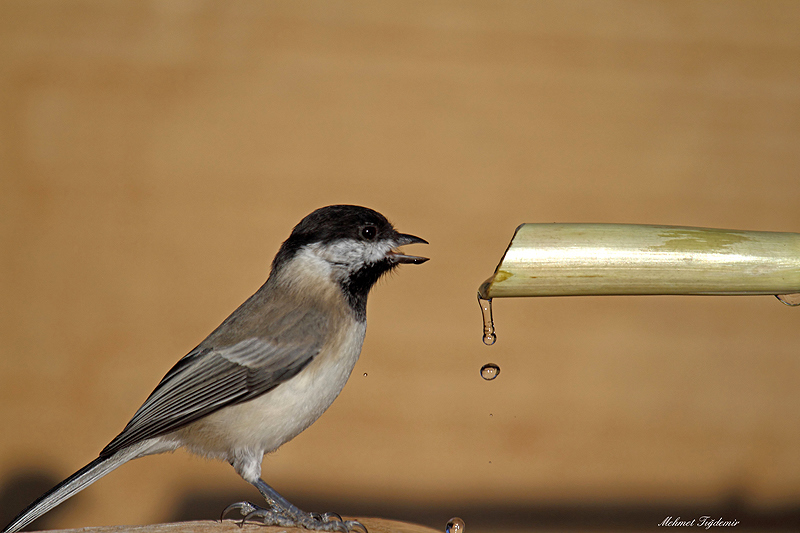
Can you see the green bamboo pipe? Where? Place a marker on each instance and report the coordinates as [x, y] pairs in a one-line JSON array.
[[622, 259]]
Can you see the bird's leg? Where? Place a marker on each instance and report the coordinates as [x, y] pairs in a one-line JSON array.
[[283, 513]]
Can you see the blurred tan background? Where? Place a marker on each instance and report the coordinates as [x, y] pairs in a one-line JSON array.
[[154, 155]]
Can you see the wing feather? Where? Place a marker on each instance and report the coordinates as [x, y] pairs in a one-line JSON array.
[[211, 377]]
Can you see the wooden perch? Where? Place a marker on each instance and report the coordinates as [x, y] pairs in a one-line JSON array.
[[374, 525]]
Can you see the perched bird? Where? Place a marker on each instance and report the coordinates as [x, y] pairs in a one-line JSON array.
[[270, 369]]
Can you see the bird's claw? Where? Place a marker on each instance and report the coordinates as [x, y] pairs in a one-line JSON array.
[[251, 513], [355, 525], [244, 509]]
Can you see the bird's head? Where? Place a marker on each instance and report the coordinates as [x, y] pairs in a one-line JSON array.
[[348, 245]]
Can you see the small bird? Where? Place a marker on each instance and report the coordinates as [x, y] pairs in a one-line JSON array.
[[269, 370]]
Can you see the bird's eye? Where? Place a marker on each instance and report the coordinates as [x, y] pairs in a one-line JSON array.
[[369, 232]]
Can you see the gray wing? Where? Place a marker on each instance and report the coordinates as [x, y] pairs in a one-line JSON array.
[[209, 378]]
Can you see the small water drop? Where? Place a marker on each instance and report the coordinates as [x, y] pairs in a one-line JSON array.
[[365, 374], [455, 525], [489, 336], [489, 371], [792, 300]]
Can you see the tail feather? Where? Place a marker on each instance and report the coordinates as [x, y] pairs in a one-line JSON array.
[[69, 487]]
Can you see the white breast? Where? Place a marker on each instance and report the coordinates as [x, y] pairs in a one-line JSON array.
[[263, 424]]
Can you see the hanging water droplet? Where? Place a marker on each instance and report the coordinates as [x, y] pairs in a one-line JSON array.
[[455, 525], [792, 300], [489, 371], [489, 336]]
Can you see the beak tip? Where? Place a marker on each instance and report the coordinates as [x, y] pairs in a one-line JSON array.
[[412, 259], [404, 239]]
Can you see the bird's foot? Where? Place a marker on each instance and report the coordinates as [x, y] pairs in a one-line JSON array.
[[275, 516]]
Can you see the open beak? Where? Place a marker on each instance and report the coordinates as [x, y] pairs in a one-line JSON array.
[[402, 240]]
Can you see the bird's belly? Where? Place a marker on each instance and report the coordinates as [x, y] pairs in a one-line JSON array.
[[264, 423]]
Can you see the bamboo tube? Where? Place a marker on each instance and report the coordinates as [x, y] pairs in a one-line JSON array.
[[619, 259]]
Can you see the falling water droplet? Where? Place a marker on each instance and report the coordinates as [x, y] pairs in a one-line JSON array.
[[792, 300], [489, 371], [455, 525], [489, 336]]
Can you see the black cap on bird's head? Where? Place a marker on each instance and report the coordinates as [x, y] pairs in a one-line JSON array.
[[358, 243]]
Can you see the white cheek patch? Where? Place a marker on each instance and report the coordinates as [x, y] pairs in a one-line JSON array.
[[348, 255], [308, 264]]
